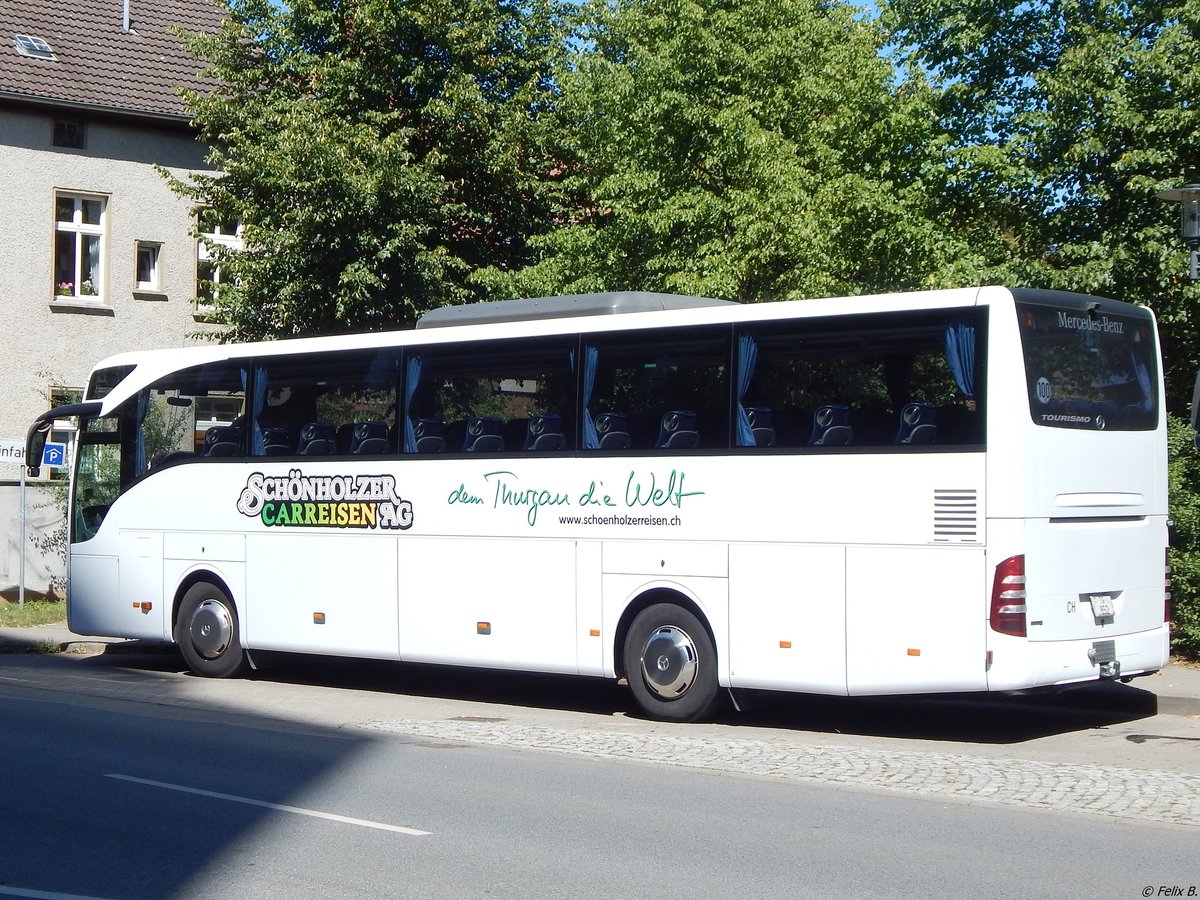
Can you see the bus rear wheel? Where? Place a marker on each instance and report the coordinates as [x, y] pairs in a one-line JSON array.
[[207, 633], [671, 664]]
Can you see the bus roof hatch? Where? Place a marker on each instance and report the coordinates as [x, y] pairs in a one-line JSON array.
[[529, 308]]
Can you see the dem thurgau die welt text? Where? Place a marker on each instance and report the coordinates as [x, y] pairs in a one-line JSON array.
[[640, 490]]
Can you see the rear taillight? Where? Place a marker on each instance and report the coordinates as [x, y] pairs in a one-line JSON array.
[[1167, 589], [1008, 597]]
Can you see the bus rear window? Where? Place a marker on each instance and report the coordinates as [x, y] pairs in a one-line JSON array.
[[1089, 368]]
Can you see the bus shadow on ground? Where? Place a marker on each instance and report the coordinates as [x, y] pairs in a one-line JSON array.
[[969, 718], [972, 718]]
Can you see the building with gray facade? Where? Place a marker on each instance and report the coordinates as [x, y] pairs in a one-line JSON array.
[[100, 255]]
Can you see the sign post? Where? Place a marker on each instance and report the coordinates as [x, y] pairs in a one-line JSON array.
[[21, 531], [14, 452]]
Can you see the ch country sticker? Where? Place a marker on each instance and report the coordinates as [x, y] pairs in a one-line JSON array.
[[297, 500]]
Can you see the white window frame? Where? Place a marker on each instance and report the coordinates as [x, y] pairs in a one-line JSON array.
[[83, 281], [223, 236], [153, 250], [33, 46]]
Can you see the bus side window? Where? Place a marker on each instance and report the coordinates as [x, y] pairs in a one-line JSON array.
[[192, 414], [657, 391], [326, 404], [900, 381], [511, 397]]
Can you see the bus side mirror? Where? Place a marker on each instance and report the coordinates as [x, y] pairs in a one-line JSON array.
[[35, 446], [39, 431]]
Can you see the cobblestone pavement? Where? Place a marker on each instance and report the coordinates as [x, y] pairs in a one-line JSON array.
[[1104, 790]]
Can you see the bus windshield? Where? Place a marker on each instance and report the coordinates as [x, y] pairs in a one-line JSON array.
[[1089, 368]]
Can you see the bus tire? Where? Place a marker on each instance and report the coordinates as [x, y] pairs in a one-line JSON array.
[[671, 664], [206, 630]]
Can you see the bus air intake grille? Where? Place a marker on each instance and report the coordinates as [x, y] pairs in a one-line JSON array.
[[955, 515]]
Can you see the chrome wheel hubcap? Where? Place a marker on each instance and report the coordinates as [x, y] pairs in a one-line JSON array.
[[669, 662], [211, 629]]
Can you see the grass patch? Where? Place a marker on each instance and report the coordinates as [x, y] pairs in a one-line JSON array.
[[35, 612]]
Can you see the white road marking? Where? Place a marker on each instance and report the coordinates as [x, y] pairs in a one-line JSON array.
[[316, 814]]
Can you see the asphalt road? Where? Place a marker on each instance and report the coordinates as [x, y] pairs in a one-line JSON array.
[[125, 777]]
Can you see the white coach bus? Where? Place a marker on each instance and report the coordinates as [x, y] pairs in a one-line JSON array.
[[960, 490]]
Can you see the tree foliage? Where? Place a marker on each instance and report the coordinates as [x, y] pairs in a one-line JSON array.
[[744, 149], [1184, 490], [377, 155]]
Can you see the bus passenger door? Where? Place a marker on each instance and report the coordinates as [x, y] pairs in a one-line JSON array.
[[140, 577]]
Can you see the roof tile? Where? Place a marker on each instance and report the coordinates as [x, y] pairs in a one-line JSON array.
[[98, 63]]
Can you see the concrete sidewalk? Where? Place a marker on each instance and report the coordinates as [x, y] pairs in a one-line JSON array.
[[56, 639], [1177, 687]]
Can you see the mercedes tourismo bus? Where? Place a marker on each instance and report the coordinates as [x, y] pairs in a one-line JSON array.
[[961, 490]]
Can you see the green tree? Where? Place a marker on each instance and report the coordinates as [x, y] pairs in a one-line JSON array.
[[1185, 554], [377, 155], [745, 149]]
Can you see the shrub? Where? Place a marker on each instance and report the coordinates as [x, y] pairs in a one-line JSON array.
[[1184, 483]]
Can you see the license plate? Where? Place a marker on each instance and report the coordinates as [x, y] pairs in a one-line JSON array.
[[1102, 606]]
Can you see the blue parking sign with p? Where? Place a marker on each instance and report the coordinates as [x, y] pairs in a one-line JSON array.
[[54, 455]]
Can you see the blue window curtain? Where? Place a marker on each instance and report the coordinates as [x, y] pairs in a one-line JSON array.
[[960, 356], [412, 378], [143, 406], [1143, 379], [747, 358], [591, 358], [258, 444]]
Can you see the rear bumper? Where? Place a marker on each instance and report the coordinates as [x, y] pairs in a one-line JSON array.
[[1017, 663]]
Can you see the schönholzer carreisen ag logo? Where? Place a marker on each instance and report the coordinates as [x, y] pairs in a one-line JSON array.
[[297, 500]]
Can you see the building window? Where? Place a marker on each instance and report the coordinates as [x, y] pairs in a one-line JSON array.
[[79, 245], [215, 235], [70, 133], [32, 45], [148, 276]]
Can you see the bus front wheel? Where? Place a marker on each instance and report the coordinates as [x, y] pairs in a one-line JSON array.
[[207, 633], [671, 664]]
